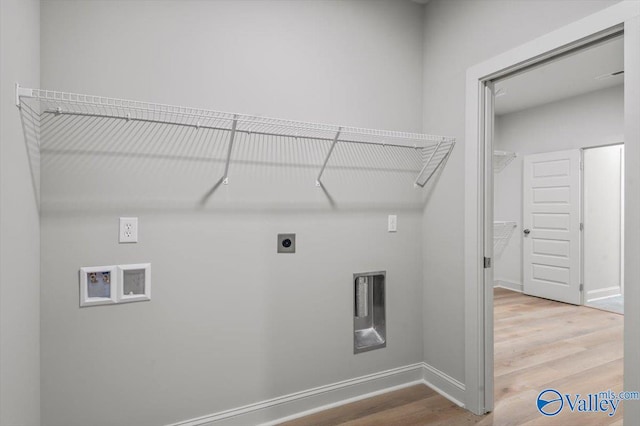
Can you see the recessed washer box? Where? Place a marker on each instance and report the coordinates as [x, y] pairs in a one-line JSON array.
[[286, 243], [98, 285], [106, 285]]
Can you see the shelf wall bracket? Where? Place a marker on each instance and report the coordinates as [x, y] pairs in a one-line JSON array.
[[326, 160], [232, 136], [22, 91], [426, 164]]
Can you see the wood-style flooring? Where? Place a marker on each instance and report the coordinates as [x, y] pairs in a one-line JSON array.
[[539, 344]]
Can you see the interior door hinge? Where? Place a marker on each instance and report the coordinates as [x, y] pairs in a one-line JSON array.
[[581, 287], [487, 262], [581, 226]]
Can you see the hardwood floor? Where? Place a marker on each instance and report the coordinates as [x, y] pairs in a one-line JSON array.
[[539, 344]]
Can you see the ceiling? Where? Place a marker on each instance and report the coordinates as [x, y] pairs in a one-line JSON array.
[[585, 71]]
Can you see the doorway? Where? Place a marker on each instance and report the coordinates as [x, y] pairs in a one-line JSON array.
[[478, 209], [545, 119]]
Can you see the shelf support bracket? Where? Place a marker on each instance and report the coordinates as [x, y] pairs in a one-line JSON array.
[[326, 160], [22, 91], [232, 136], [426, 164]]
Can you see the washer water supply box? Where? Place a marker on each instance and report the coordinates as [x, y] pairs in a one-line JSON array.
[[106, 285]]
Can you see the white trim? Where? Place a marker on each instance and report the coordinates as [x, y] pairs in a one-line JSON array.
[[444, 384], [508, 285], [299, 404], [477, 347], [340, 403], [632, 211]]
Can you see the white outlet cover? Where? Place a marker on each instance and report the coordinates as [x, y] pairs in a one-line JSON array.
[[392, 223], [128, 230]]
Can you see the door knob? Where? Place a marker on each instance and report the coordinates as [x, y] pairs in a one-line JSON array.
[[527, 231]]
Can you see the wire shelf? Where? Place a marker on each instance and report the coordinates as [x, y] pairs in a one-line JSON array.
[[502, 232], [433, 157], [501, 159], [47, 104]]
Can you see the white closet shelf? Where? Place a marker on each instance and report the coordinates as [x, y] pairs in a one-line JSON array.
[[434, 148], [502, 231], [501, 159]]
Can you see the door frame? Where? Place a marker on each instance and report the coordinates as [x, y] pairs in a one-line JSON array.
[[623, 16]]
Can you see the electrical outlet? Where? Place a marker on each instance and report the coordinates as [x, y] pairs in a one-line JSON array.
[[392, 225], [128, 229], [286, 243]]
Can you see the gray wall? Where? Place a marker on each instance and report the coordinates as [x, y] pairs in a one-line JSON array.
[[19, 223], [230, 321], [458, 35], [593, 119], [604, 225]]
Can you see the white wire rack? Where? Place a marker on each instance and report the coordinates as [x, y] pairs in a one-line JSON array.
[[435, 149], [502, 232], [501, 159]]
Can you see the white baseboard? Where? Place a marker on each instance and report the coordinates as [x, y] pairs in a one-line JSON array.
[[603, 293], [509, 285], [444, 384], [300, 404]]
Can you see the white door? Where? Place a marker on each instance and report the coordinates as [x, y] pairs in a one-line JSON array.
[[551, 225]]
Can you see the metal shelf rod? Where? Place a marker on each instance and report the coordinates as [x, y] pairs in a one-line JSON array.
[[145, 107], [426, 164], [225, 177], [202, 126], [326, 160]]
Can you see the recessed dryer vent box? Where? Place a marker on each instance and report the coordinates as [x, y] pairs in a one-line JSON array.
[[98, 285], [369, 322], [135, 283]]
